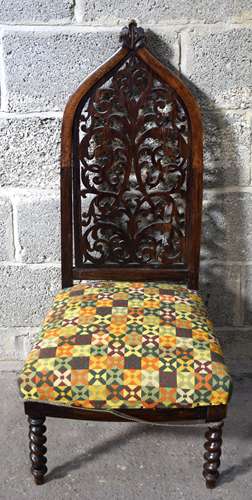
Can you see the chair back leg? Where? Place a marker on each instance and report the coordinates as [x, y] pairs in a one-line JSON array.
[[37, 448], [212, 454]]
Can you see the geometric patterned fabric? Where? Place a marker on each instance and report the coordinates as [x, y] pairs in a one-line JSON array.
[[117, 344]]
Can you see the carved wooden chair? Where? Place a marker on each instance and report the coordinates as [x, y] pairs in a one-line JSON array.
[[131, 340]]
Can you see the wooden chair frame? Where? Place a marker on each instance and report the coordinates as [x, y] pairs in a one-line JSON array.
[[133, 42]]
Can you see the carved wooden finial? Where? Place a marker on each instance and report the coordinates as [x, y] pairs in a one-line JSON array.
[[132, 36]]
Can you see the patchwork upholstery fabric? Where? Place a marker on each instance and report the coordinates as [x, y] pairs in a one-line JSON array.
[[110, 345]]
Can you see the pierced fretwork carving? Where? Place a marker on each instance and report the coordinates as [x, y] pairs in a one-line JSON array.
[[132, 158]]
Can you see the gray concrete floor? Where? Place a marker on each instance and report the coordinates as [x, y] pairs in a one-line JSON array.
[[101, 461]]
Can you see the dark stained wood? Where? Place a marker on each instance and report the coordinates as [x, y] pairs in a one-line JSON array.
[[132, 135], [131, 187], [37, 446], [216, 413], [130, 171], [131, 273], [74, 100], [157, 415], [188, 99], [66, 163], [66, 227], [212, 455]]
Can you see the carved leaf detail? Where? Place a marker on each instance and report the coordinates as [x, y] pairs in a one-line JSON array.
[[133, 158]]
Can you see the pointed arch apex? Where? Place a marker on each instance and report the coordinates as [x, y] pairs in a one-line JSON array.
[[132, 126], [132, 36]]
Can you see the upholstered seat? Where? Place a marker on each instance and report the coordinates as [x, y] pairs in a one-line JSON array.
[[131, 203], [110, 344]]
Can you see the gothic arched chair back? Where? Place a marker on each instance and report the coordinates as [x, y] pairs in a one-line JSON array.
[[132, 167], [126, 343]]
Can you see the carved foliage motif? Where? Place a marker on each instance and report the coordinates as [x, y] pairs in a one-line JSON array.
[[133, 158]]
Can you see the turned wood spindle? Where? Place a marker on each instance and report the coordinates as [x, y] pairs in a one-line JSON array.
[[212, 454], [38, 448]]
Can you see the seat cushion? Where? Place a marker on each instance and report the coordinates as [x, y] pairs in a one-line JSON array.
[[110, 344]]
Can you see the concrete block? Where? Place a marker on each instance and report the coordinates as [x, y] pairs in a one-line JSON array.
[[44, 68], [15, 342], [35, 11], [237, 349], [165, 46], [227, 226], [6, 233], [148, 11], [9, 367], [227, 143], [26, 293], [242, 11], [220, 285], [38, 227], [218, 66], [29, 153]]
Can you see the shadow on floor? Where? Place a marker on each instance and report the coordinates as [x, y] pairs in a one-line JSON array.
[[89, 455], [228, 475], [107, 445]]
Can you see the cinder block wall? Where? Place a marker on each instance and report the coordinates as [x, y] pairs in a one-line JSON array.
[[47, 48]]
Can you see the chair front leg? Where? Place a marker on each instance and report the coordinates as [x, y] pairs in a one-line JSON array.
[[212, 454], [37, 448]]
